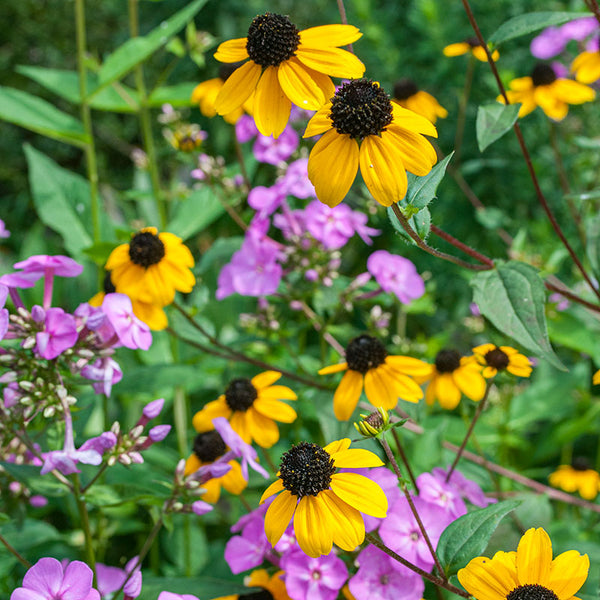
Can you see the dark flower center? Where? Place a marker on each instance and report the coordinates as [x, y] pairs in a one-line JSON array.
[[262, 595], [497, 358], [209, 446], [543, 75], [531, 591], [227, 69], [306, 470], [109, 287], [271, 40], [375, 420], [580, 463], [473, 42], [404, 89], [361, 108], [447, 361], [146, 249], [364, 353], [240, 394]]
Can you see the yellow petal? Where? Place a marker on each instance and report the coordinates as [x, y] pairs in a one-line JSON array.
[[446, 391], [202, 420], [262, 430], [382, 169], [311, 527], [332, 167], [299, 85], [276, 410], [355, 458], [277, 392], [409, 365], [417, 154], [272, 107], [534, 557], [334, 62], [573, 92], [274, 488], [265, 379], [232, 51], [278, 516], [341, 367], [320, 122], [361, 493], [326, 36], [407, 119], [469, 380], [485, 581], [239, 423], [568, 573], [347, 524], [233, 481], [347, 395], [192, 464], [337, 446], [380, 389], [238, 87], [596, 378], [456, 49], [586, 67]]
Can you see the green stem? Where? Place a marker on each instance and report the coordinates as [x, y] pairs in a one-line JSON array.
[[146, 122], [15, 553], [86, 117], [85, 523], [404, 459]]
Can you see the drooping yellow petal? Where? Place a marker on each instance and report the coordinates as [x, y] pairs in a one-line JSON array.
[[239, 423], [347, 524], [332, 166], [568, 573], [445, 390], [407, 119], [534, 557], [337, 446], [233, 481], [277, 392], [586, 67], [409, 365], [347, 395], [274, 488], [320, 122], [313, 527], [262, 430], [326, 36], [355, 458], [272, 107], [299, 85], [417, 154], [457, 49], [232, 51], [361, 493], [279, 515], [274, 409], [469, 380], [483, 580], [382, 169], [406, 388], [380, 390], [334, 62], [118, 257], [573, 92], [202, 420], [336, 369], [265, 379], [238, 88]]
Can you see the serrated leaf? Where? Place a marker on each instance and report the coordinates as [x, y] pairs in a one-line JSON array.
[[136, 50], [468, 536], [530, 22], [493, 121], [35, 114], [422, 190], [421, 223], [512, 297], [196, 213]]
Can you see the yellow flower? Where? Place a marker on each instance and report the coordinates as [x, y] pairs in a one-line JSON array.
[[577, 477], [450, 376], [326, 505], [186, 138], [361, 126], [528, 573], [408, 95], [471, 45], [385, 378], [500, 358], [260, 578], [596, 378], [209, 446], [252, 407], [151, 267], [586, 67], [286, 66], [553, 95]]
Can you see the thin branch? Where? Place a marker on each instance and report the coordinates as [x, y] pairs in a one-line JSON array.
[[15, 552], [462, 246]]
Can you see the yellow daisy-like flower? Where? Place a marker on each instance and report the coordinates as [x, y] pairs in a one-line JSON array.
[[384, 378], [586, 67], [286, 66], [471, 45], [209, 446], [326, 505], [408, 95], [596, 378], [260, 578], [252, 407], [552, 94], [527, 574], [501, 358], [577, 477], [151, 267], [362, 127], [452, 375]]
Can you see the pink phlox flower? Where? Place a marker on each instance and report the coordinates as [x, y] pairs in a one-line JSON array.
[[245, 129], [41, 265], [3, 311], [172, 596], [400, 531], [11, 394], [396, 274], [363, 231], [133, 587], [151, 411], [106, 372], [273, 151], [199, 507], [291, 223], [60, 333], [257, 513], [109, 579], [309, 578], [246, 551], [465, 487], [579, 29], [92, 317], [101, 443], [436, 491], [287, 542], [158, 433], [266, 200], [132, 332], [295, 182], [48, 580], [549, 43], [4, 233], [300, 114]]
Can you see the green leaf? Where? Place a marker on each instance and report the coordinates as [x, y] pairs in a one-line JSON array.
[[196, 213], [137, 50], [512, 297], [176, 95], [468, 536], [422, 190], [530, 22], [58, 195], [421, 223], [493, 121], [37, 115]]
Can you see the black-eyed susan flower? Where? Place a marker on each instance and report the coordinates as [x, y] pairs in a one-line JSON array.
[[586, 67], [252, 407], [577, 477], [151, 267], [362, 127], [552, 94], [209, 446], [471, 45], [530, 573], [408, 95], [451, 376], [285, 66], [501, 358], [273, 586], [384, 378], [324, 504], [187, 137]]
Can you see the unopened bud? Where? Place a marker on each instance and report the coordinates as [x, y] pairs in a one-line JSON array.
[[374, 423]]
